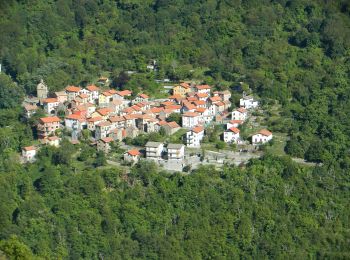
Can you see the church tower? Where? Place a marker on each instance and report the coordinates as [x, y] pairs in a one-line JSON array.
[[42, 90]]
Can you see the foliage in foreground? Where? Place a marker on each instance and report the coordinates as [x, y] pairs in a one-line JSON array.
[[272, 208]]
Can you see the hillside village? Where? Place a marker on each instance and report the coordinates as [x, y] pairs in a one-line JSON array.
[[112, 116]]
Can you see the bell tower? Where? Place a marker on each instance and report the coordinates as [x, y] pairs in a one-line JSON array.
[[42, 90]]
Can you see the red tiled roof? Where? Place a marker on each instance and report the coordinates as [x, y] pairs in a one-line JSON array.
[[198, 129], [82, 95], [190, 114], [104, 111], [116, 118], [191, 99], [75, 116], [156, 109], [30, 107], [125, 93], [199, 102], [50, 100], [141, 104], [203, 87], [190, 106], [215, 99], [49, 119], [136, 108], [173, 124], [130, 117], [168, 103], [201, 109], [174, 97], [265, 132], [113, 91], [92, 88], [107, 139], [53, 138], [185, 85], [143, 96], [134, 152], [73, 89], [236, 121], [29, 148], [162, 123], [241, 110], [128, 110], [234, 129], [173, 107], [219, 104], [95, 119], [202, 95], [104, 123], [107, 93]]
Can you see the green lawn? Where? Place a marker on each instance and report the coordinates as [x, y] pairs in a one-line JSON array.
[[279, 143]]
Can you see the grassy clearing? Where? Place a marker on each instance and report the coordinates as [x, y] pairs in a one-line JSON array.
[[279, 142]]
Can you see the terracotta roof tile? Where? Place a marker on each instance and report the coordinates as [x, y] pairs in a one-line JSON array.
[[234, 129], [113, 91], [173, 124], [95, 119], [215, 99], [53, 138], [125, 93], [190, 114], [134, 152], [82, 95], [104, 123], [107, 139], [74, 116], [49, 119], [201, 109], [92, 88], [50, 100], [107, 93], [29, 148], [236, 122], [73, 89], [265, 132], [202, 95], [144, 96], [242, 110], [198, 129], [104, 111], [203, 87]]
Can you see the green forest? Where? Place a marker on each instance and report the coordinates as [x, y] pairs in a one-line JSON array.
[[70, 204]]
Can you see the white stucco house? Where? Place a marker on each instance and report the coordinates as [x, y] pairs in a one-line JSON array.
[[234, 123], [176, 151], [231, 135], [239, 114], [248, 102], [262, 137], [195, 136], [190, 119], [154, 150], [132, 156], [29, 153], [50, 105]]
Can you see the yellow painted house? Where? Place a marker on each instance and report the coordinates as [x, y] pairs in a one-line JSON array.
[[181, 89], [104, 98]]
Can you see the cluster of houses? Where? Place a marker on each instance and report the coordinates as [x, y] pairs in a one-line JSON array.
[[238, 117], [112, 115]]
